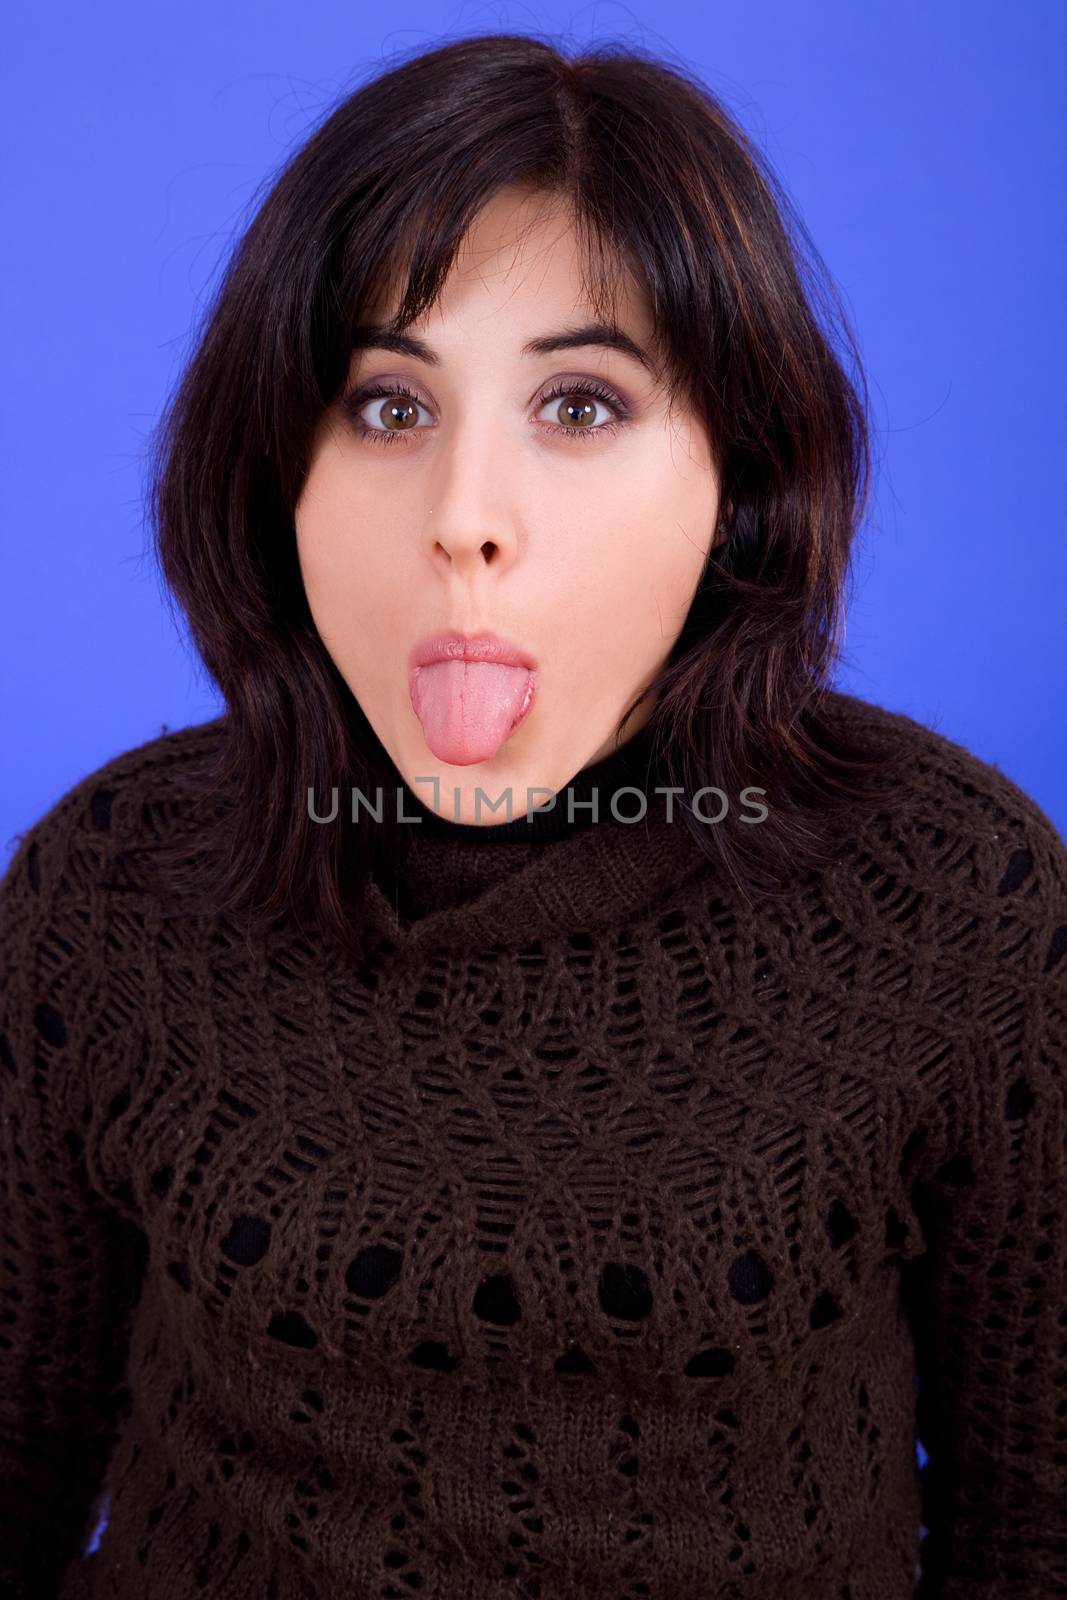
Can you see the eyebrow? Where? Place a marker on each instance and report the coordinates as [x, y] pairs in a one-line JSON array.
[[379, 337]]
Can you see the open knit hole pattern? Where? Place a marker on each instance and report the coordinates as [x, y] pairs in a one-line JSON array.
[[619, 1210]]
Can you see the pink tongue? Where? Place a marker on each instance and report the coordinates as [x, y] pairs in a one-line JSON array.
[[468, 708]]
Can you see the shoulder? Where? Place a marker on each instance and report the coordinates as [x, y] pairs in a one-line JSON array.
[[117, 807], [962, 859], [74, 999], [70, 927], [941, 767]]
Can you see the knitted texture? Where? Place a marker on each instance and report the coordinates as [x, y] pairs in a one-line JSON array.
[[601, 1237]]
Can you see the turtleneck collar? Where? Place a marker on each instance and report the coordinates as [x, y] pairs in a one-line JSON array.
[[451, 884], [592, 787]]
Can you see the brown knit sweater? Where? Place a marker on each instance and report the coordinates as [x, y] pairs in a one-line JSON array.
[[601, 1238]]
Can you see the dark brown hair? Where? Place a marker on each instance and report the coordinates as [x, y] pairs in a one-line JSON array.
[[661, 179]]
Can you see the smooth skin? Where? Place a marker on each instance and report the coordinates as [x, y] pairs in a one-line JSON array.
[[489, 508]]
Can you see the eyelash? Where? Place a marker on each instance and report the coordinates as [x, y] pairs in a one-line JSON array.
[[355, 402]]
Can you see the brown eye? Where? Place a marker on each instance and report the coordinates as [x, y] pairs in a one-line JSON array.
[[576, 411], [580, 408], [394, 415], [576, 414], [397, 413]]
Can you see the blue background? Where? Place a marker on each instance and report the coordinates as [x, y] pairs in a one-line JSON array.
[[923, 144]]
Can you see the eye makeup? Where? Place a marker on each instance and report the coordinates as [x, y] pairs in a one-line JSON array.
[[590, 388]]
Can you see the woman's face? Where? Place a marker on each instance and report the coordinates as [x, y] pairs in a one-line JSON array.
[[576, 527]]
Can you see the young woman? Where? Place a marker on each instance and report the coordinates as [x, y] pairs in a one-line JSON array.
[[517, 1104]]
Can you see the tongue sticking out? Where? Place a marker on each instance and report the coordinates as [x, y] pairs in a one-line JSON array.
[[468, 708]]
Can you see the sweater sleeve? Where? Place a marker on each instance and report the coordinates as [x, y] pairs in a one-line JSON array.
[[988, 1298], [70, 1264]]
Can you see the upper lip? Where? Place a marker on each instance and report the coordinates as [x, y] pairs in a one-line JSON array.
[[470, 647]]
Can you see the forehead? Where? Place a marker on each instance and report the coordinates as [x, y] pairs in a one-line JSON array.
[[523, 257]]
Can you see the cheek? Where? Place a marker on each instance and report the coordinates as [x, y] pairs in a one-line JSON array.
[[331, 548], [646, 564], [649, 523], [344, 558], [662, 515], [352, 595]]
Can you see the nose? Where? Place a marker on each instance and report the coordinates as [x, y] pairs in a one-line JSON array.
[[461, 541], [470, 524]]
